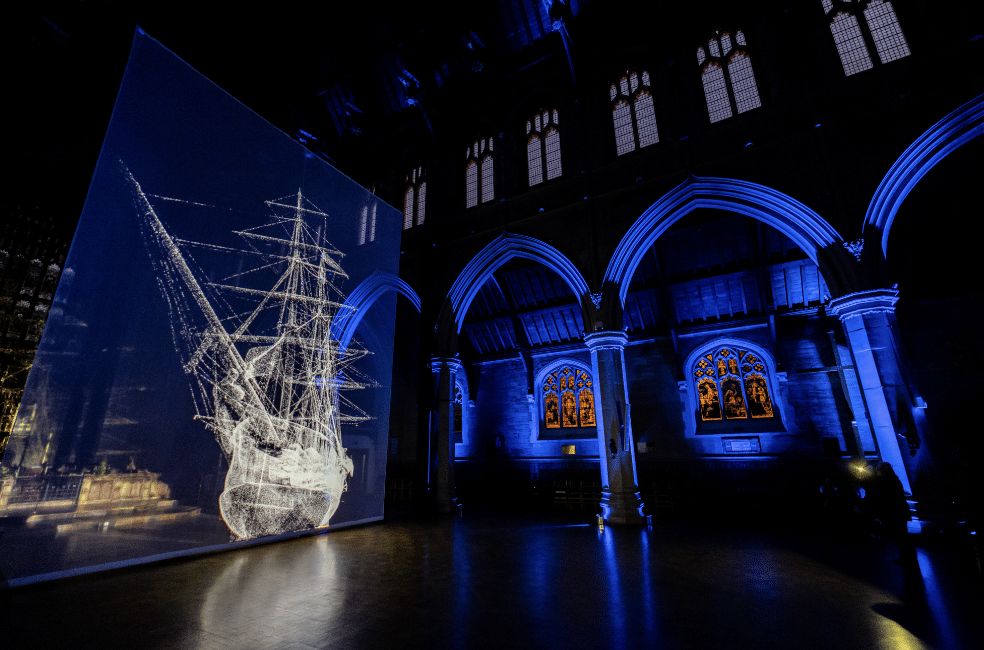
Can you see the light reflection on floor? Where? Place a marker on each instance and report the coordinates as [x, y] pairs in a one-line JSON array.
[[494, 582]]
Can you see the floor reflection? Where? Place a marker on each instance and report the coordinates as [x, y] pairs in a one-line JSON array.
[[502, 582]]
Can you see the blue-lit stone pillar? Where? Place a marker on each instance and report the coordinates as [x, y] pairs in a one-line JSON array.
[[620, 500], [442, 482], [868, 318]]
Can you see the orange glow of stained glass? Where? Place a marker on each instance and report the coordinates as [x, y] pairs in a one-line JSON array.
[[586, 411], [551, 412], [759, 403], [710, 406], [569, 414], [734, 401]]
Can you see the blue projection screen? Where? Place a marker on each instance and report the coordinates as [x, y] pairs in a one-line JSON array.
[[191, 388]]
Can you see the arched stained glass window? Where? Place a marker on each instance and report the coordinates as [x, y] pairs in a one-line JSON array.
[[415, 198], [732, 384], [882, 27], [633, 112], [568, 399], [727, 76], [543, 147], [478, 172]]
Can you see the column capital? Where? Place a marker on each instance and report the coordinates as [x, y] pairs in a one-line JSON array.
[[860, 303], [453, 363], [606, 340]]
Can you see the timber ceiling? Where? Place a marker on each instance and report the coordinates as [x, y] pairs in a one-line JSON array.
[[723, 270]]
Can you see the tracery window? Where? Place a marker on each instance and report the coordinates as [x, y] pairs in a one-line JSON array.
[[367, 225], [633, 111], [415, 198], [543, 146], [568, 399], [479, 184], [732, 384], [727, 76], [853, 45]]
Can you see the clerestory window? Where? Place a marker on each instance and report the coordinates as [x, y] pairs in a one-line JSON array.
[[880, 29], [479, 184], [633, 111], [415, 198], [727, 76], [367, 225], [543, 146]]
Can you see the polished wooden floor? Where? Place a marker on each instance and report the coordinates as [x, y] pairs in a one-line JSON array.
[[547, 581]]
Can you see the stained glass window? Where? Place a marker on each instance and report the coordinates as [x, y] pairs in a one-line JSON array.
[[568, 399], [727, 76], [731, 384], [633, 112], [414, 199], [543, 147], [882, 24], [479, 184]]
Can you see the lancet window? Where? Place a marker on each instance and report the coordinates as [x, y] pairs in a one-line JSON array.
[[854, 45], [568, 399], [543, 146], [479, 184], [633, 111], [732, 384], [415, 198], [727, 76], [367, 225]]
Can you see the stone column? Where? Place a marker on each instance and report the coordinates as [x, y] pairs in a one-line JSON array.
[[444, 370], [868, 318], [620, 500]]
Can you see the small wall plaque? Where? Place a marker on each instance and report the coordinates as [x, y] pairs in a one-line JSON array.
[[746, 445]]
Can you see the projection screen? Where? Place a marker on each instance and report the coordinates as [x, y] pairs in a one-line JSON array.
[[191, 388]]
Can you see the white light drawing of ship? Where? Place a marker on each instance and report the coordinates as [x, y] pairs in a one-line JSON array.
[[267, 377]]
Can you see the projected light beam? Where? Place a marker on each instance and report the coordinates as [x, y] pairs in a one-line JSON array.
[[267, 378]]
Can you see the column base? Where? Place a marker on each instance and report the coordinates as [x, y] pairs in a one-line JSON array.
[[622, 508], [447, 506]]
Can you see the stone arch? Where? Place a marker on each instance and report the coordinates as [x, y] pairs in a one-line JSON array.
[[499, 251], [369, 290], [801, 224], [953, 131]]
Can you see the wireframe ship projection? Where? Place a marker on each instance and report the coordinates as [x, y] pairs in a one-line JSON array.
[[266, 373]]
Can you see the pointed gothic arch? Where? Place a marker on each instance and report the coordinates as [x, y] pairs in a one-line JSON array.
[[343, 327], [956, 129], [499, 251], [801, 224]]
